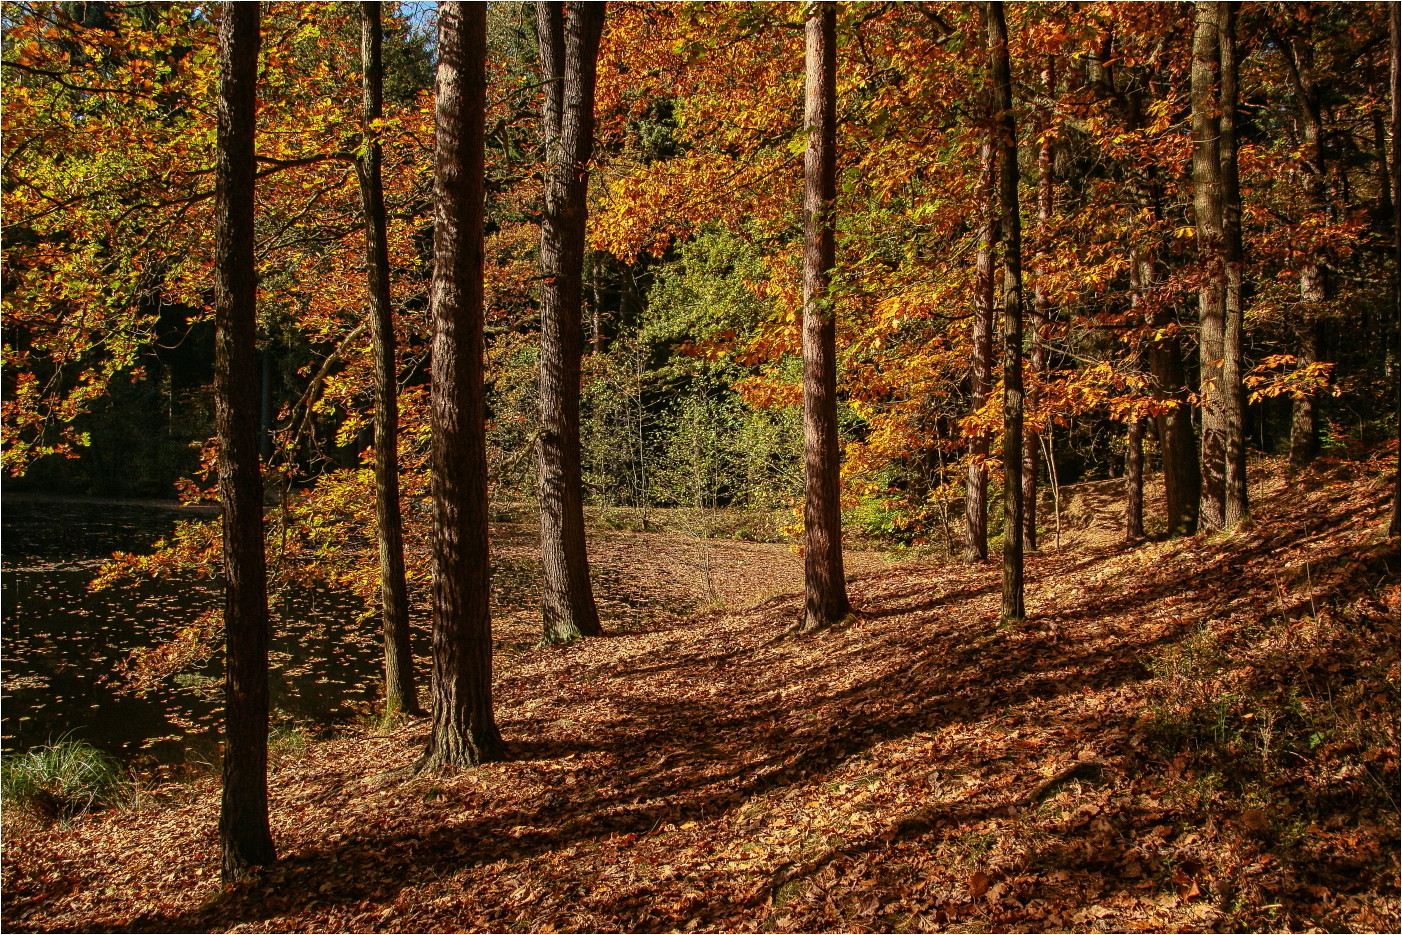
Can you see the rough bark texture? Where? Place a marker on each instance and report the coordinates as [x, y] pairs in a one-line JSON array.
[[1207, 216], [244, 838], [825, 585], [464, 731], [400, 692], [569, 42], [1012, 312], [1235, 505], [1314, 287], [1134, 480], [1041, 316], [981, 366]]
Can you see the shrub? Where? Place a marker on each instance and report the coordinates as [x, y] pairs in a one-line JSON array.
[[61, 780]]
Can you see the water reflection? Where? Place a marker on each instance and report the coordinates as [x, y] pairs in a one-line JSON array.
[[63, 645]]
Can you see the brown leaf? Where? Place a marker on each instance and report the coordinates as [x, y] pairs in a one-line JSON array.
[[978, 883]]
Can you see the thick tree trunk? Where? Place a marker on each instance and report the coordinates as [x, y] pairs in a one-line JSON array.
[[569, 42], [825, 585], [400, 692], [244, 838], [1207, 215], [1134, 480], [1235, 506], [981, 369], [1012, 312], [1041, 316], [464, 730]]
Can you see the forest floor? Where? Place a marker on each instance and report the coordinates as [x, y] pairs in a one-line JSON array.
[[1189, 735]]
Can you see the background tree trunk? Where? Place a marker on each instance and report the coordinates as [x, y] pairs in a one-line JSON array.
[[1236, 505], [1012, 313], [1041, 315], [464, 730], [1177, 446], [981, 369], [569, 43], [244, 838], [1314, 286], [825, 585], [400, 692]]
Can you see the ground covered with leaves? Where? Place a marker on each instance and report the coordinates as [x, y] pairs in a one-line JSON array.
[[1193, 735]]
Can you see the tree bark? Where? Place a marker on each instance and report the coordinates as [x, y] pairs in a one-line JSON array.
[[981, 370], [244, 838], [1134, 480], [825, 584], [1314, 286], [1177, 446], [1207, 216], [1041, 315], [569, 42], [1012, 312], [464, 730], [1141, 273], [401, 695], [1236, 506]]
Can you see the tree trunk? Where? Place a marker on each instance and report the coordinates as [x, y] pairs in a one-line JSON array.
[[1207, 216], [981, 370], [1134, 480], [1314, 287], [569, 43], [1041, 315], [596, 341], [1233, 395], [825, 585], [400, 692], [1141, 273], [464, 731], [244, 838], [1177, 446], [1012, 312]]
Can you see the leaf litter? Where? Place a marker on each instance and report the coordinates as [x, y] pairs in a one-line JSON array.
[[1189, 735]]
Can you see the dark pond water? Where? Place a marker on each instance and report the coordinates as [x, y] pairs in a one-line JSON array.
[[63, 645]]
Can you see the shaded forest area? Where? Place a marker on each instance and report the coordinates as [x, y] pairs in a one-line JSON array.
[[1089, 312]]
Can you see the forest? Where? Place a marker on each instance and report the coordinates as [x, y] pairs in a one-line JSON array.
[[862, 466]]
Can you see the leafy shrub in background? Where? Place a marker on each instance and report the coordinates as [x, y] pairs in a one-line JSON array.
[[60, 781]]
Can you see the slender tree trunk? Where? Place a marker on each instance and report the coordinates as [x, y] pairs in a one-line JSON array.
[[1041, 316], [1394, 97], [825, 585], [596, 342], [1314, 286], [981, 371], [569, 42], [1141, 273], [244, 838], [400, 692], [1207, 215], [1012, 312], [1177, 446], [1236, 506], [464, 730]]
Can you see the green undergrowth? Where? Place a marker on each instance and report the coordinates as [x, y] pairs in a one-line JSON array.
[[61, 781]]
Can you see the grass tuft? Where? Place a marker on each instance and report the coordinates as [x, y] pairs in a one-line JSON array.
[[60, 781]]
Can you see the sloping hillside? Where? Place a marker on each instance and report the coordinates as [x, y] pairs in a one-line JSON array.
[[1190, 735]]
